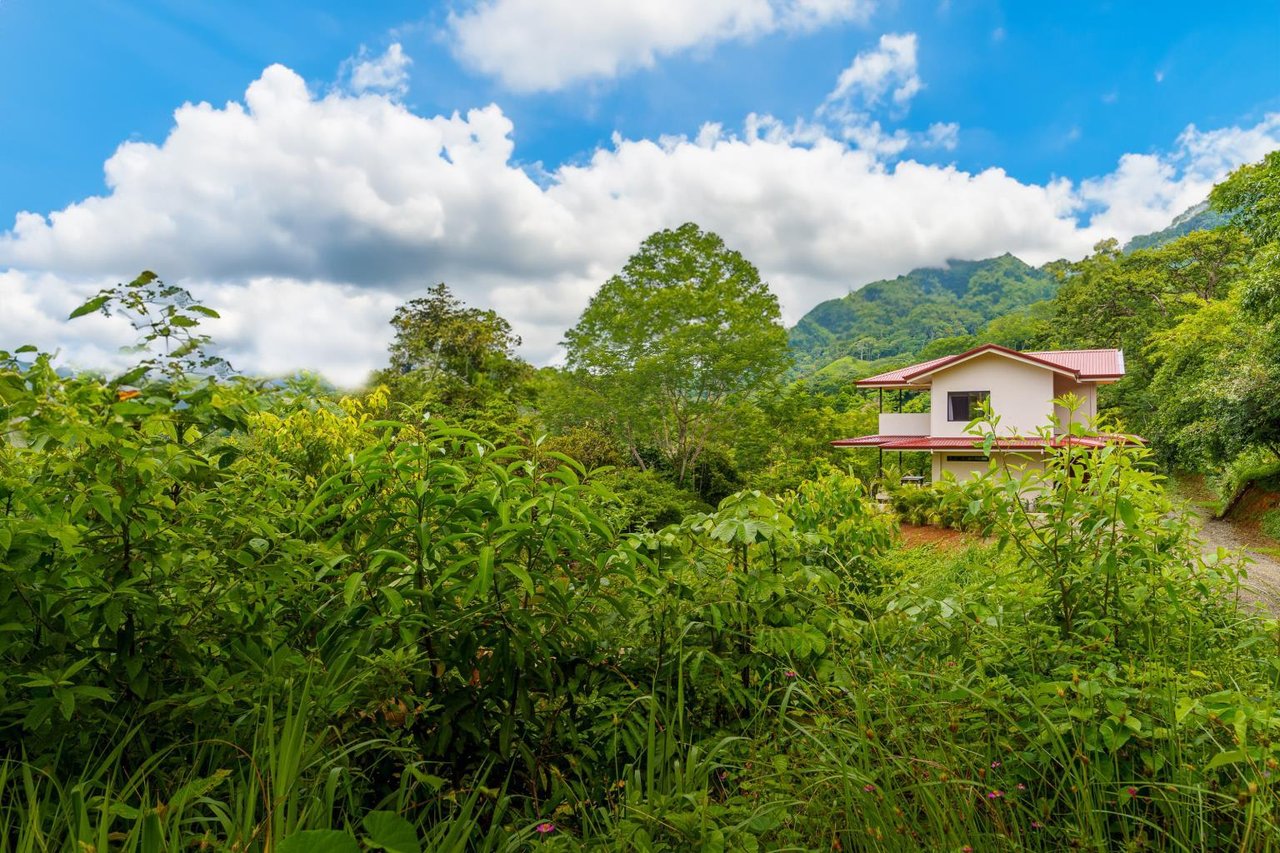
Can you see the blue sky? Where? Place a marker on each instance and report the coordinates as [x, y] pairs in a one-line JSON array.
[[1040, 126], [1040, 89]]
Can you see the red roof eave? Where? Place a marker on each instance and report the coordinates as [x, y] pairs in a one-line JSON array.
[[1080, 365], [982, 350], [917, 442]]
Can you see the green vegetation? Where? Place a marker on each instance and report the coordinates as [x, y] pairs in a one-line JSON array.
[[1201, 217], [1196, 309], [668, 344], [900, 316], [1197, 321], [619, 606]]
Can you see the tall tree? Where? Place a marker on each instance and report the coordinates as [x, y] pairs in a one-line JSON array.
[[1118, 300], [450, 353], [686, 327], [1251, 194]]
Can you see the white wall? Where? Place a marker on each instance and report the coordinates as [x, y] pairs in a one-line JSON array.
[[1021, 394], [1086, 391], [904, 423], [965, 470]]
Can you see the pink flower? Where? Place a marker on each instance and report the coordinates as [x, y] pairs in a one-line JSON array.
[[1021, 787], [995, 764], [868, 788], [545, 827], [968, 848], [995, 795], [791, 673], [1035, 824], [1133, 792]]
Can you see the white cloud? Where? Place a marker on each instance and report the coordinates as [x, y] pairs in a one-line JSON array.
[[535, 45], [1147, 190], [943, 135], [36, 305], [273, 327], [388, 73], [305, 219], [889, 69]]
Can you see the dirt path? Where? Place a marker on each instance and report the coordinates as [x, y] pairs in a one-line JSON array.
[[1262, 586]]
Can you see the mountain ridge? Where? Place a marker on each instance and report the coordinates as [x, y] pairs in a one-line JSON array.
[[896, 317], [900, 315]]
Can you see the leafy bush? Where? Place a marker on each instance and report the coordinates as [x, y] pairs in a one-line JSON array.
[[1271, 523], [1243, 471], [646, 499], [935, 504], [239, 617], [1119, 564]]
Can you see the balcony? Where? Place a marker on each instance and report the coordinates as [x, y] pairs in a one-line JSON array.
[[904, 423]]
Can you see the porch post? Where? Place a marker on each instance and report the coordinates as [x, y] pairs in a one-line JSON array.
[[881, 450]]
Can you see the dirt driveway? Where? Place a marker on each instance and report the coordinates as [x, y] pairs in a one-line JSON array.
[[1263, 583]]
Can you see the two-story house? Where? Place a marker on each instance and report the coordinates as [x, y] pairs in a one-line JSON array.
[[1020, 388]]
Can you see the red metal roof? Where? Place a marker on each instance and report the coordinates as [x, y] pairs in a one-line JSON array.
[[870, 440], [1083, 365], [924, 442], [897, 377], [1087, 363]]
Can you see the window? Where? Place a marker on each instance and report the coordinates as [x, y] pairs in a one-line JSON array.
[[963, 405], [967, 459]]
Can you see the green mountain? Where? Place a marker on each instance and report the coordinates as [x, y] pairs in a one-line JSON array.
[[900, 316], [1197, 218]]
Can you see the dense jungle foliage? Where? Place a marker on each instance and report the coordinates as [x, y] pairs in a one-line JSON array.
[[635, 604]]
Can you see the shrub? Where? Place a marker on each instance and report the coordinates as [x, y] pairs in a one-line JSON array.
[[938, 504], [238, 617], [1271, 523], [647, 500]]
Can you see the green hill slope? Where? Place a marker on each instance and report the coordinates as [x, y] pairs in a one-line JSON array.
[[901, 315], [1197, 218]]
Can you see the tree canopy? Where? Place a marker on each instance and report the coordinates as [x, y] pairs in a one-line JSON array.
[[449, 352], [684, 327]]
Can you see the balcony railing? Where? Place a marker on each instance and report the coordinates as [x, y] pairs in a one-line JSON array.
[[904, 423]]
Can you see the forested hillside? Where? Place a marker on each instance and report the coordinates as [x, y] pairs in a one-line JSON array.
[[1202, 217], [899, 316]]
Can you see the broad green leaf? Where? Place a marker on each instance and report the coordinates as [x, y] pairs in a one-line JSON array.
[[92, 305], [390, 832], [318, 841], [1233, 756], [351, 586]]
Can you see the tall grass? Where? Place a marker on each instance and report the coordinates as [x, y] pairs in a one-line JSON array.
[[281, 791]]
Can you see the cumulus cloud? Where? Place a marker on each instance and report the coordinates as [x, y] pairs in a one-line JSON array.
[[388, 73], [886, 75], [1147, 190], [535, 45], [304, 219], [35, 306], [889, 69]]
